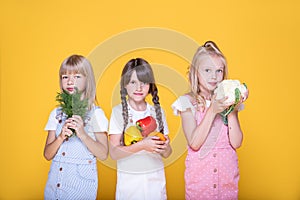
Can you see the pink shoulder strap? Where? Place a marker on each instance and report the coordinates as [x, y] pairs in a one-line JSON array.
[[212, 138], [213, 135]]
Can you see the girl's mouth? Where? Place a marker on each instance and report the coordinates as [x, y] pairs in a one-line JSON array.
[[214, 84], [70, 89]]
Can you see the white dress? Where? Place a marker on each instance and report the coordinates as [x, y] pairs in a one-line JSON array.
[[141, 175]]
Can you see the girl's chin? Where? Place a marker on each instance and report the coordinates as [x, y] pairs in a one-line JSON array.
[[212, 88], [209, 90], [138, 99]]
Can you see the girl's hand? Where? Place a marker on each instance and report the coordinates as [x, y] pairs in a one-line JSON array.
[[218, 105], [77, 124], [152, 144], [246, 94], [163, 147], [66, 132]]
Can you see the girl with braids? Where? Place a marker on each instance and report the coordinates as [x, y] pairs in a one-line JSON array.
[[140, 173], [211, 163]]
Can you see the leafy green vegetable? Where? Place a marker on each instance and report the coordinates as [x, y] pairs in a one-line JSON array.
[[72, 104]]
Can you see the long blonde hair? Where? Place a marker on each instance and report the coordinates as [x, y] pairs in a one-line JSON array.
[[208, 49], [79, 64]]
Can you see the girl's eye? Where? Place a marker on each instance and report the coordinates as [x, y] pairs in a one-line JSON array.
[[207, 70], [219, 70], [132, 82], [77, 76], [64, 77]]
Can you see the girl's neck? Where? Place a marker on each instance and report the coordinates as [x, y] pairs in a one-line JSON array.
[[206, 95], [138, 106]]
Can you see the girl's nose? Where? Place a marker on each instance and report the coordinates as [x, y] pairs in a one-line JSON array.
[[139, 86], [71, 80], [214, 75]]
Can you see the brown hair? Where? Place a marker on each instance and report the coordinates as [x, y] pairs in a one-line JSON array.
[[144, 74]]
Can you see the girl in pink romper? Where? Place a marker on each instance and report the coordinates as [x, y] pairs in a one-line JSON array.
[[211, 163]]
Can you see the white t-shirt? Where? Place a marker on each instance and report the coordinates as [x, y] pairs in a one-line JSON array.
[[142, 161], [97, 121]]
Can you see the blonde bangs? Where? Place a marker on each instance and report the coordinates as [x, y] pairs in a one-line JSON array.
[[72, 69]]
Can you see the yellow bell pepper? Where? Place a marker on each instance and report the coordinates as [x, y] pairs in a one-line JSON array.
[[132, 135]]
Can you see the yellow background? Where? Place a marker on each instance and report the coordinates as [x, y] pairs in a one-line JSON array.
[[259, 38]]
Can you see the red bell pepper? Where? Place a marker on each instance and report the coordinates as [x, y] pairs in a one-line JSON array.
[[146, 125]]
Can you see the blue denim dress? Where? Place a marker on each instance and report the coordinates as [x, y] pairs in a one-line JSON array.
[[73, 172]]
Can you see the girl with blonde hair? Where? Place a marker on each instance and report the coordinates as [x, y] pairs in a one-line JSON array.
[[73, 172], [211, 163]]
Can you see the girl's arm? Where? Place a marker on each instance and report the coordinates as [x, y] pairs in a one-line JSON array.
[[234, 129], [118, 151], [196, 135], [98, 148], [52, 144], [235, 132]]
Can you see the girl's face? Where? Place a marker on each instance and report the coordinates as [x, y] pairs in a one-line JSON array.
[[211, 72], [136, 90], [72, 80]]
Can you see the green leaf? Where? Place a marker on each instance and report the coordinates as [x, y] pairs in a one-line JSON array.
[[227, 111], [72, 104], [237, 95]]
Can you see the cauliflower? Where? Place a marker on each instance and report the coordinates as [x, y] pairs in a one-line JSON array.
[[228, 88], [234, 90]]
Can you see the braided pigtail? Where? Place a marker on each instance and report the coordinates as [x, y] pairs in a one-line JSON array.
[[124, 112], [155, 99]]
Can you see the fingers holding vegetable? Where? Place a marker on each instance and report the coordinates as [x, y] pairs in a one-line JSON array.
[[219, 105], [158, 136], [77, 124], [235, 92], [66, 131], [151, 144], [164, 142]]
